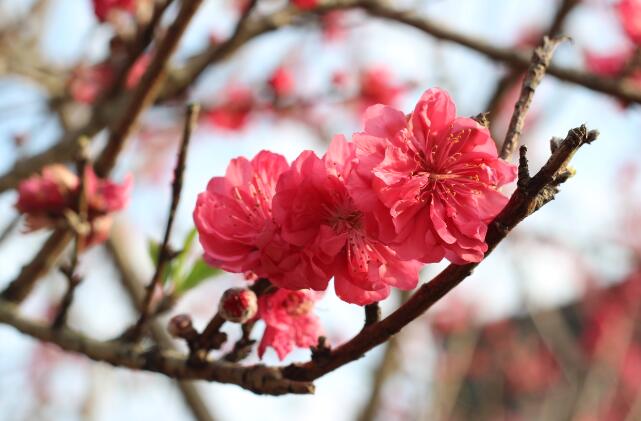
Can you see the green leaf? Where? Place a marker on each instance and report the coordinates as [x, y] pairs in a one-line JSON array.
[[200, 272], [154, 251], [181, 259]]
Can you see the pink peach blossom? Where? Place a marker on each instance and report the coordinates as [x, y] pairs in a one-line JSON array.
[[43, 199], [430, 179], [282, 82], [611, 64], [290, 321], [305, 4], [234, 215], [102, 8], [316, 213], [630, 16]]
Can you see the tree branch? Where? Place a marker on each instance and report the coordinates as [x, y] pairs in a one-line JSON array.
[[164, 255], [257, 378], [541, 58]]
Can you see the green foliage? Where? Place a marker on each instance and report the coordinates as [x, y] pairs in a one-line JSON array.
[[184, 271]]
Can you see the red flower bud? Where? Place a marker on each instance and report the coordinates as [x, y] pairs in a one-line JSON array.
[[238, 305]]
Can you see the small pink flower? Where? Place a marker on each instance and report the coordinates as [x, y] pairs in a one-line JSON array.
[[431, 179], [282, 82], [102, 8], [611, 64], [316, 214], [234, 112], [630, 16], [234, 215], [47, 193], [290, 321], [43, 199], [378, 87], [104, 196], [305, 4]]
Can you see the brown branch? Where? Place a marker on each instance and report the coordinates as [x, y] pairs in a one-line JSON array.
[[525, 200], [372, 314], [246, 30], [141, 98], [621, 89], [134, 287], [541, 58], [73, 280], [257, 378], [176, 189], [148, 88]]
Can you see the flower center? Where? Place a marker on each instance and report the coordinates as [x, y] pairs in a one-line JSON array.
[[297, 304]]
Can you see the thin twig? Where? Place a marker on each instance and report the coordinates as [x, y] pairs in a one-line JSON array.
[[541, 58], [73, 280], [191, 117], [133, 284], [148, 88]]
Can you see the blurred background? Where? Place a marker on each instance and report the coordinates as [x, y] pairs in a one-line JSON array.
[[546, 328]]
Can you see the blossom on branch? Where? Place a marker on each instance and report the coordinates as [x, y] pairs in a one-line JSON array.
[[630, 16], [234, 215], [44, 200], [406, 190], [290, 321], [431, 179], [102, 8], [316, 213]]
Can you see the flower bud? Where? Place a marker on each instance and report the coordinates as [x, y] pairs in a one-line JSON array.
[[238, 305], [180, 326]]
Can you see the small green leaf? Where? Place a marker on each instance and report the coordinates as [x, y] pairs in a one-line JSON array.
[[154, 251], [181, 259], [200, 272]]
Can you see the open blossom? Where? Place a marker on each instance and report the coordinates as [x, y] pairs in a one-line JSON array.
[[431, 179], [630, 16], [290, 321], [102, 8], [315, 212], [43, 199], [234, 215]]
